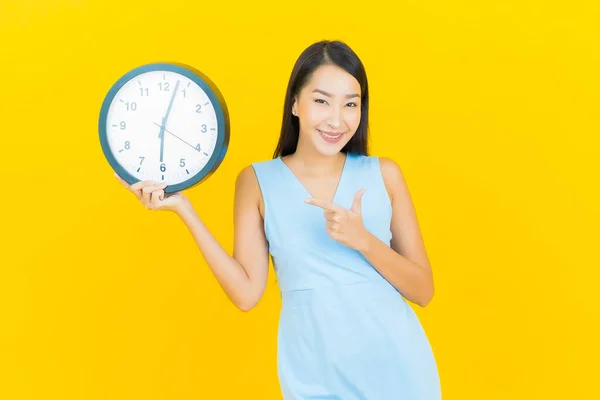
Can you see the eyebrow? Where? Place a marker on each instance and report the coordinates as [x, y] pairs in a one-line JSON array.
[[348, 96]]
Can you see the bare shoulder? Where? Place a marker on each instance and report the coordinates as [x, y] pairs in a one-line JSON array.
[[406, 233], [392, 176], [247, 176], [247, 187], [246, 182]]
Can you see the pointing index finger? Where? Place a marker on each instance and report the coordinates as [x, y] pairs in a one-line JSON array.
[[323, 204]]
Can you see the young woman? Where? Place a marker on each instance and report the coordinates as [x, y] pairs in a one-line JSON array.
[[345, 241]]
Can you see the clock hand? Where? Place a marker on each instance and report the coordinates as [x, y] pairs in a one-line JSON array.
[[168, 131], [161, 135]]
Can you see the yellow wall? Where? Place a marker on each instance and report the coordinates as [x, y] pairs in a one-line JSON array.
[[490, 107]]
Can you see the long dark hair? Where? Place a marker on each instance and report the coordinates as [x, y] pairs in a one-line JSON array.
[[324, 53]]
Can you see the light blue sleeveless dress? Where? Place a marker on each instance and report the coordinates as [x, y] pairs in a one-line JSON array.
[[345, 332]]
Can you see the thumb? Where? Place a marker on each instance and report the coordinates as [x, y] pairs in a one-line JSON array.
[[356, 204]]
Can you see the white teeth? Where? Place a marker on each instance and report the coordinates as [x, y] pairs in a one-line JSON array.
[[329, 136]]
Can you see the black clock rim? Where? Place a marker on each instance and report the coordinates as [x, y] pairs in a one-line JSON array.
[[212, 91]]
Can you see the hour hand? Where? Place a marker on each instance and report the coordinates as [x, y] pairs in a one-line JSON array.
[[161, 135], [161, 132]]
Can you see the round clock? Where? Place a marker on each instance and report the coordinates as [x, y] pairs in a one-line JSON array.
[[165, 122]]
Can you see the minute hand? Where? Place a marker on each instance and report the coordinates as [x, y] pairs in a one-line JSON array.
[[161, 135]]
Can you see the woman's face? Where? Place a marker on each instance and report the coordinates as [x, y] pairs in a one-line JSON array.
[[328, 108]]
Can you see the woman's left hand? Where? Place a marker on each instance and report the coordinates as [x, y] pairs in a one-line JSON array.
[[345, 226]]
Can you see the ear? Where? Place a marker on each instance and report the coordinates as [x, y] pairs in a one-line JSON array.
[[294, 110]]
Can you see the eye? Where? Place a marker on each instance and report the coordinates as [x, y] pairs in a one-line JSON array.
[[318, 100], [353, 105]]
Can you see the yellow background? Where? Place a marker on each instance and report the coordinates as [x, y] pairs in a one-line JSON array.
[[490, 107]]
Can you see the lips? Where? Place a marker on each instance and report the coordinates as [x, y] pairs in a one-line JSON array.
[[331, 137]]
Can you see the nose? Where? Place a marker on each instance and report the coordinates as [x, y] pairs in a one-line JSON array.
[[334, 118]]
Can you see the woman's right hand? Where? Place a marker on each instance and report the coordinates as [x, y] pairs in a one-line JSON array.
[[152, 196]]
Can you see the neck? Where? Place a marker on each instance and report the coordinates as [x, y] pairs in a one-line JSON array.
[[315, 163]]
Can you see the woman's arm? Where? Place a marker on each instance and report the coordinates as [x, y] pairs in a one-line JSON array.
[[405, 264], [242, 276]]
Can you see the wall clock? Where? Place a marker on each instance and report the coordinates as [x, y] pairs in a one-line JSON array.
[[166, 122]]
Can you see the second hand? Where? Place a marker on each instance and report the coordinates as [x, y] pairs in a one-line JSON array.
[[166, 130]]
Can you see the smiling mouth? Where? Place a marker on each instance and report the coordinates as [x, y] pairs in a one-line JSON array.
[[331, 135]]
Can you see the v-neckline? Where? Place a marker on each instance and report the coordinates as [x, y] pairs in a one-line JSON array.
[[307, 192]]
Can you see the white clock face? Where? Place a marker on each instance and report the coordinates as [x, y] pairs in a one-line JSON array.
[[162, 126]]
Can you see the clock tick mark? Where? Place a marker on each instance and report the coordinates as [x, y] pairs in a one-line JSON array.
[[188, 172], [207, 103], [138, 170], [206, 154]]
